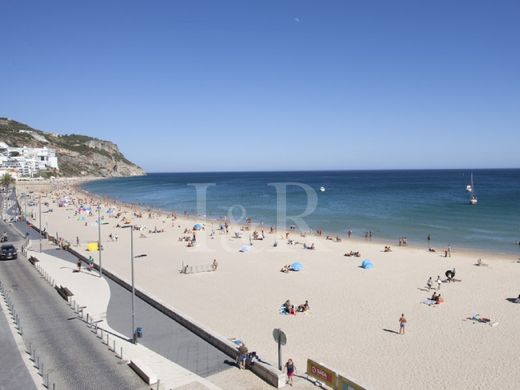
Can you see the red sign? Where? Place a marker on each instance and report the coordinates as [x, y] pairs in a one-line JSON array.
[[321, 373]]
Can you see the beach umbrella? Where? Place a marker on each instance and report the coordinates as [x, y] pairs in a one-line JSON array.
[[367, 264], [245, 248], [197, 226], [296, 266], [92, 246]]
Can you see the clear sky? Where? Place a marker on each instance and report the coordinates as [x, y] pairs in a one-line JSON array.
[[275, 85]]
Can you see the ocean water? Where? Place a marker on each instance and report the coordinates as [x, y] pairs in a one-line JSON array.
[[391, 204]]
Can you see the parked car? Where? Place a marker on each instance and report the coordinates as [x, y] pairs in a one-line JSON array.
[[8, 252]]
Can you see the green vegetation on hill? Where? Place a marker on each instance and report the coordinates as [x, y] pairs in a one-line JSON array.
[[77, 154]]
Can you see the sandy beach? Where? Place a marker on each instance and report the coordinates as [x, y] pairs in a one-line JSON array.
[[352, 323]]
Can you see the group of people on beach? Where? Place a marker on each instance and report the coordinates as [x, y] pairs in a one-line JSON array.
[[288, 308], [286, 268], [352, 253]]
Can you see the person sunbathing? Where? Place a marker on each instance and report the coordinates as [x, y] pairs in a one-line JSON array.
[[387, 249], [285, 269], [304, 307]]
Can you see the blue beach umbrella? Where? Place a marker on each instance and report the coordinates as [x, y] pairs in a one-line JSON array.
[[197, 226], [296, 266], [245, 248], [367, 264]]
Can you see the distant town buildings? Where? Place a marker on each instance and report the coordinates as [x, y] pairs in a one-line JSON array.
[[26, 162]]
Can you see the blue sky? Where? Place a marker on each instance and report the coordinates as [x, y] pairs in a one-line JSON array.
[[275, 85]]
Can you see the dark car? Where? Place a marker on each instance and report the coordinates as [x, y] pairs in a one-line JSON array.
[[8, 252]]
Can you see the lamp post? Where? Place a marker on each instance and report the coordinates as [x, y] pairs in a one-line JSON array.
[[25, 220], [132, 257], [99, 240], [40, 217]]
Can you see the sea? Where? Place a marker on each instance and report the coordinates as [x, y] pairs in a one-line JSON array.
[[389, 203]]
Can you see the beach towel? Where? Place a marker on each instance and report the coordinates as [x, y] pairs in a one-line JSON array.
[[429, 302], [282, 310]]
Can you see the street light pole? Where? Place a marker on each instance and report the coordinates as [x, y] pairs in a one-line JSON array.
[[99, 240], [132, 257], [25, 220], [133, 285], [40, 215]]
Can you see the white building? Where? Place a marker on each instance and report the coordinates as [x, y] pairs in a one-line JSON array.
[[27, 161]]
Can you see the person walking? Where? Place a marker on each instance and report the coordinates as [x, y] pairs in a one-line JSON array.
[[290, 369], [438, 281], [429, 241], [429, 283], [449, 250], [402, 324]]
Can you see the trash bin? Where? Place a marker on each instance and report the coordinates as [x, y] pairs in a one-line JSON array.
[[139, 332]]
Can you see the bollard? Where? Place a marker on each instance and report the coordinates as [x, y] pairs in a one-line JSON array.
[[87, 319], [121, 353], [115, 347], [108, 341], [101, 335], [41, 370]]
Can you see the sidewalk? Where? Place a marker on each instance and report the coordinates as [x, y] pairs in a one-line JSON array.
[[93, 293]]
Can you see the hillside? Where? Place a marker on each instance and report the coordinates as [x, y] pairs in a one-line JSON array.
[[78, 155]]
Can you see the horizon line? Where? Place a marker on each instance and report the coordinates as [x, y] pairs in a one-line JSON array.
[[340, 170]]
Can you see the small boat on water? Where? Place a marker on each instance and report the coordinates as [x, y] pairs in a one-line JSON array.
[[322, 189], [472, 198]]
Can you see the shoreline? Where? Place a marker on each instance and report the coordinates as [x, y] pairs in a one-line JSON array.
[[393, 242]]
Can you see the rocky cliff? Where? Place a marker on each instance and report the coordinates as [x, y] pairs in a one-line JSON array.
[[78, 155]]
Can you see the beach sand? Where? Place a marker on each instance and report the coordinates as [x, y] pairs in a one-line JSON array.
[[354, 314]]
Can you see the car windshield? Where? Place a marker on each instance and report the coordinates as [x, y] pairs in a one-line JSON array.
[[7, 247]]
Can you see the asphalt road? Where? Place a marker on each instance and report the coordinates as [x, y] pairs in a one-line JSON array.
[[13, 372], [70, 352]]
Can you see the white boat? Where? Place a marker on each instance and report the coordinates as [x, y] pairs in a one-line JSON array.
[[322, 189], [469, 188], [472, 198]]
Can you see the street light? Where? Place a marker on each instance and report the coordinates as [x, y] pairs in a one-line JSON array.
[[132, 257], [99, 240], [40, 213], [25, 219]]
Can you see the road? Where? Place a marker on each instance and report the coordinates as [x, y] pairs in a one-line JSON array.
[[13, 372], [70, 352]]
